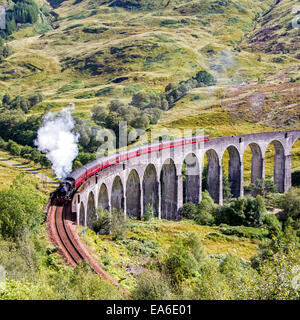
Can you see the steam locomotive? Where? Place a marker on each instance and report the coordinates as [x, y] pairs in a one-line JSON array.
[[68, 187]]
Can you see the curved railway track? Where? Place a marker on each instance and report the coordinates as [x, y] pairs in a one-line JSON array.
[[62, 232], [66, 241]]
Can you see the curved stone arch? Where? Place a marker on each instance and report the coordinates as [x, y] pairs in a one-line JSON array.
[[279, 164], [103, 198], [213, 175], [133, 195], [294, 142], [151, 188], [192, 183], [234, 171], [117, 194], [91, 209], [82, 220], [257, 161], [169, 190]]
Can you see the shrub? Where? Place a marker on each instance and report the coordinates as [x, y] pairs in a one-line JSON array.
[[103, 224], [242, 231], [189, 210], [118, 224], [183, 258], [290, 203], [262, 187], [149, 213], [296, 178], [204, 78], [21, 210], [152, 286], [273, 224], [204, 210], [246, 211]]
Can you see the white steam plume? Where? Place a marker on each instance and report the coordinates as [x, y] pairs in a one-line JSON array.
[[58, 141]]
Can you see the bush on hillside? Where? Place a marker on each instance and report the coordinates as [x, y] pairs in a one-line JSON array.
[[290, 204], [21, 210], [246, 211]]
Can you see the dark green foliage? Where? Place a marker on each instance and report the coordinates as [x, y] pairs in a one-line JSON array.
[[242, 231], [296, 178], [201, 213], [262, 187], [290, 204], [273, 224], [21, 102], [189, 210], [246, 211], [149, 213], [103, 223], [205, 209], [26, 152], [23, 11], [205, 79]]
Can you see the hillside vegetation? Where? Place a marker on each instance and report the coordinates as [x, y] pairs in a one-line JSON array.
[[228, 67], [139, 61]]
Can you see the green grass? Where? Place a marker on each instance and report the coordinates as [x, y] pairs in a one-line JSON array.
[[146, 242]]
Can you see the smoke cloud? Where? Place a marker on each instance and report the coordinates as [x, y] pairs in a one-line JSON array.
[[56, 138]]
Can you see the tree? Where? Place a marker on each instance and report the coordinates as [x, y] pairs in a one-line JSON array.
[[262, 187], [140, 99], [99, 114], [290, 203], [141, 122], [149, 212], [204, 78], [189, 210], [103, 223], [21, 210], [205, 209], [13, 148]]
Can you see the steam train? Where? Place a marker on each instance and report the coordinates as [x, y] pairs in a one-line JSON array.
[[69, 186]]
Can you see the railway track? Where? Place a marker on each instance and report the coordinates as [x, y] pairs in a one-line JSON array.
[[62, 232], [64, 236]]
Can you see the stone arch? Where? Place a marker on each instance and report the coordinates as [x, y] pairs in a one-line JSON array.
[[103, 199], [133, 195], [279, 165], [82, 214], [91, 210], [191, 181], [234, 171], [117, 194], [212, 182], [169, 190], [257, 162], [295, 163], [150, 188]]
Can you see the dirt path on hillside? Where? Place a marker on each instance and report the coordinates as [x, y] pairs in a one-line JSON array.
[[29, 170]]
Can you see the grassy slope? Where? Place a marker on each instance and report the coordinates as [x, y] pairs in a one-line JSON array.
[[153, 48], [151, 51], [146, 242], [9, 172]]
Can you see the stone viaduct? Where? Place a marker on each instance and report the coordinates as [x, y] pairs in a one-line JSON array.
[[156, 178]]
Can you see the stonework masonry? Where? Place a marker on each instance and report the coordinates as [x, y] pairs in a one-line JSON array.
[[156, 178]]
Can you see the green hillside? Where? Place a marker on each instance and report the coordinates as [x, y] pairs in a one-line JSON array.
[[229, 67]]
